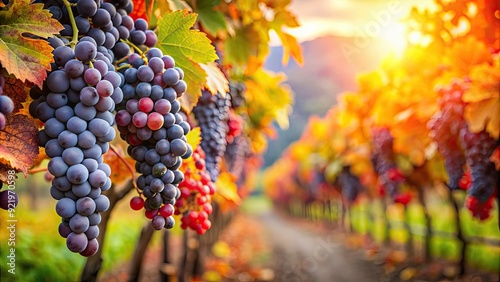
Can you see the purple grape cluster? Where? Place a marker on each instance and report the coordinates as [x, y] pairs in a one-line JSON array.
[[478, 149], [383, 158], [76, 105], [445, 128], [149, 119], [212, 113]]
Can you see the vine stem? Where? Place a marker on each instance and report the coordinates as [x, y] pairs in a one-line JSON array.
[[73, 24], [123, 67], [141, 53], [134, 182], [36, 170]]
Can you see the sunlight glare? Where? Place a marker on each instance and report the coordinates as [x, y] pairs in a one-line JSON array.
[[396, 37]]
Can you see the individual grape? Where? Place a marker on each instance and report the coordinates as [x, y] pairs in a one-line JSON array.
[[104, 88], [62, 55], [86, 139], [178, 147], [101, 18], [72, 156], [76, 125], [57, 166], [86, 8], [98, 178], [77, 174], [138, 37], [171, 77], [143, 89], [145, 73], [99, 127], [92, 232], [158, 222], [145, 105], [151, 38], [85, 51], [92, 76], [79, 223], [58, 81], [89, 96], [81, 190], [86, 206], [76, 242], [155, 121], [137, 203], [64, 229], [102, 203], [84, 112]]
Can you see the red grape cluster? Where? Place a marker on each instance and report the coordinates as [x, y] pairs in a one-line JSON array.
[[383, 160], [197, 188], [445, 128]]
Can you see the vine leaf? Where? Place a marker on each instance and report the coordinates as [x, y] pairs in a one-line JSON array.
[[119, 171], [17, 91], [194, 137], [18, 145], [227, 191], [212, 19], [23, 51], [189, 48], [216, 81]]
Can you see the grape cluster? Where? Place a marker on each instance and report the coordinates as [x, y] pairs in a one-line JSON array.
[[236, 154], [445, 128], [351, 186], [76, 104], [149, 120], [6, 104], [478, 149], [196, 190], [383, 160], [237, 92], [481, 210], [212, 113]]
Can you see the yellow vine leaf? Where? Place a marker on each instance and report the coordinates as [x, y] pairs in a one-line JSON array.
[[226, 187], [194, 137], [216, 81], [483, 98]]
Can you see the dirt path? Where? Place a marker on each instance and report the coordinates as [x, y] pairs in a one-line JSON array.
[[301, 254]]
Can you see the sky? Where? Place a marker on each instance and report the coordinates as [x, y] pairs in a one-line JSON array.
[[365, 18]]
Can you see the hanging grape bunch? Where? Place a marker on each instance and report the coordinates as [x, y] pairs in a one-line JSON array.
[[212, 113], [149, 121]]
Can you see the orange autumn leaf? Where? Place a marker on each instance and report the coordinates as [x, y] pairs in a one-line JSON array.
[[17, 91], [27, 57], [18, 145], [120, 171], [495, 158]]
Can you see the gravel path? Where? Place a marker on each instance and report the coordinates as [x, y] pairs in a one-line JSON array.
[[306, 255]]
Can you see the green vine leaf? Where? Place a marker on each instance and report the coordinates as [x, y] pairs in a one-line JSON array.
[[189, 48]]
